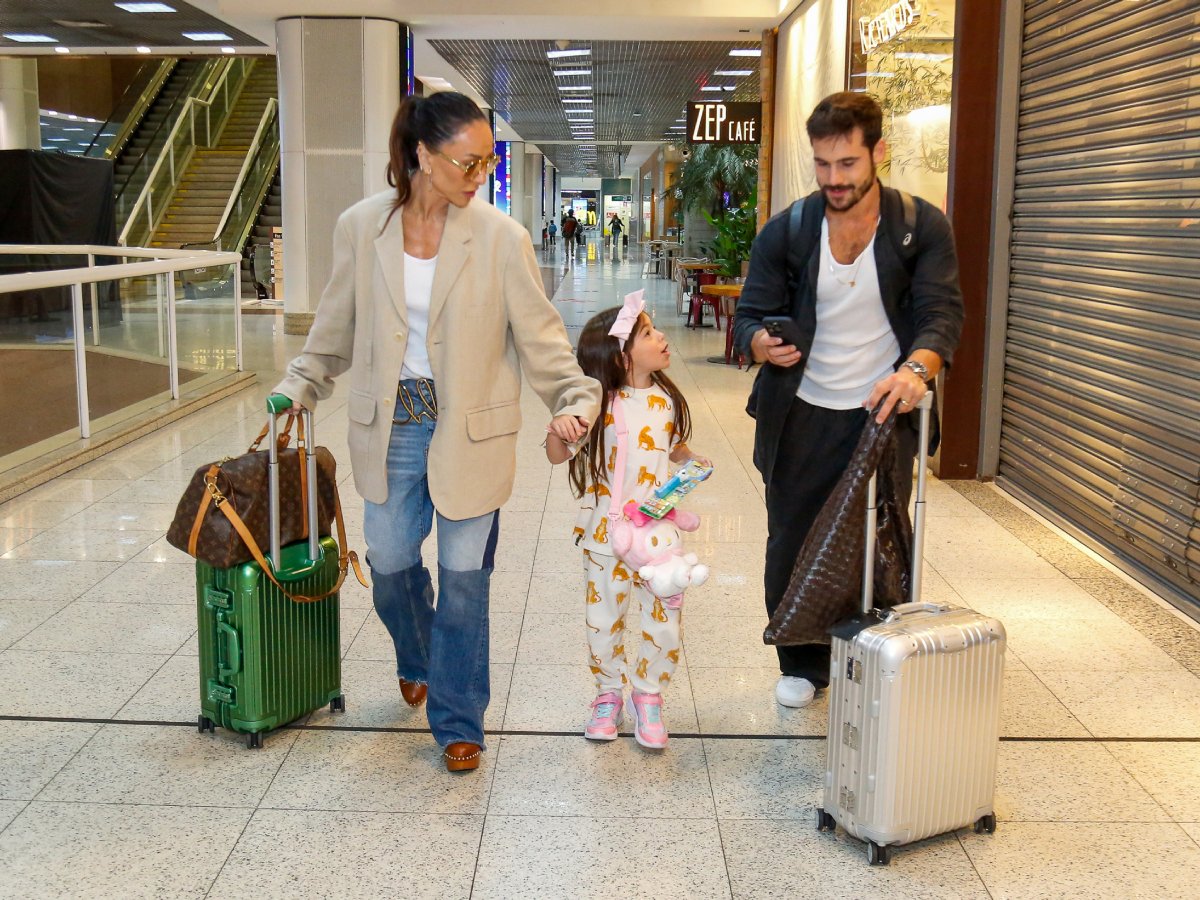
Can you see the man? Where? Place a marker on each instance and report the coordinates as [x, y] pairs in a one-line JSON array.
[[870, 279], [616, 228], [569, 226]]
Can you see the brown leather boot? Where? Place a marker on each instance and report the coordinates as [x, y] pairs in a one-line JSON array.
[[462, 756], [413, 692]]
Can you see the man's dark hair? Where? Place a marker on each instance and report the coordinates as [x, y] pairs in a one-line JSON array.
[[839, 114]]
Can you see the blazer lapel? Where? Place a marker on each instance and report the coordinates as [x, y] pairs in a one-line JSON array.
[[389, 255], [453, 253]]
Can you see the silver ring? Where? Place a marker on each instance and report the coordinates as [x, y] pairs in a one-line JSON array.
[[905, 403]]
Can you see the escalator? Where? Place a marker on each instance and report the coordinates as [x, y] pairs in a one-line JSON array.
[[147, 142], [257, 264], [196, 208]]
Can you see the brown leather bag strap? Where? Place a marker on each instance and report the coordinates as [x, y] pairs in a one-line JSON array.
[[268, 569], [345, 560], [210, 480], [283, 438]]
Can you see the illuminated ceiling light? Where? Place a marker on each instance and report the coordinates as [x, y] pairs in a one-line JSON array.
[[143, 49], [576, 100], [62, 49], [207, 36], [564, 72], [32, 38], [562, 54], [145, 7], [574, 87], [735, 73], [712, 87], [757, 51], [226, 49]]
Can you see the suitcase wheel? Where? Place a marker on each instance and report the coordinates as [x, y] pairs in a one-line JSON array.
[[825, 822], [338, 704], [204, 723], [254, 740], [986, 824], [878, 855]]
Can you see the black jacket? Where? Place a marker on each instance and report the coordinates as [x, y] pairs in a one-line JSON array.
[[920, 295]]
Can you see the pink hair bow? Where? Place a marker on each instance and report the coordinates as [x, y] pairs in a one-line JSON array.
[[627, 318]]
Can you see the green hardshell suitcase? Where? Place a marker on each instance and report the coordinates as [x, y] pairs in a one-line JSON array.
[[265, 659]]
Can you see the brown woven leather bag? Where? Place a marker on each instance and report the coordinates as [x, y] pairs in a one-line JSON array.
[[201, 530]]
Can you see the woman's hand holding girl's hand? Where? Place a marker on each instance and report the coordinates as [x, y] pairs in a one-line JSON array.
[[568, 429]]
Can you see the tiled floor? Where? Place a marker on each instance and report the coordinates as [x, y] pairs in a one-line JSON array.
[[107, 789]]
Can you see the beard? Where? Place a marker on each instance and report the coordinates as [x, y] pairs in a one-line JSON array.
[[853, 192]]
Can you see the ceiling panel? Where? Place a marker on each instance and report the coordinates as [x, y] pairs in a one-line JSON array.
[[98, 24], [638, 90]]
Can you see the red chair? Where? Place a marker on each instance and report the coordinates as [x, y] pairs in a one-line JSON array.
[[699, 300]]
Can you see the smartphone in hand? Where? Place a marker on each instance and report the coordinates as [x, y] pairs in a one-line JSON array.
[[783, 327]]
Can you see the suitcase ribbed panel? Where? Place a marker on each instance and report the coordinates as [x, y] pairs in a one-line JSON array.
[[290, 653], [912, 748]]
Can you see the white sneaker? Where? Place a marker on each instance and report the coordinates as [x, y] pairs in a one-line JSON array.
[[794, 692]]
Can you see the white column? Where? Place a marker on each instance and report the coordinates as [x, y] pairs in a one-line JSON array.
[[339, 86], [20, 127], [534, 192], [517, 207]]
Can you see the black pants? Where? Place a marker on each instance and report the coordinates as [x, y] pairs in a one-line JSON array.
[[814, 452]]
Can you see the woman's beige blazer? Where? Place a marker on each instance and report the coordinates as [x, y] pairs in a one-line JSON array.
[[489, 322]]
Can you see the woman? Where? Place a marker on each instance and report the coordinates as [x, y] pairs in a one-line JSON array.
[[438, 301]]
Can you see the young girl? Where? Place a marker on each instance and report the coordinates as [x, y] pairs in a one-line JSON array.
[[623, 351]]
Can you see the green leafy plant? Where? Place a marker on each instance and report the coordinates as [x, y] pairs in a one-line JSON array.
[[735, 233], [712, 171]]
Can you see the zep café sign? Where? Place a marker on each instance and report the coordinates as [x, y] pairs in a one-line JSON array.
[[724, 123]]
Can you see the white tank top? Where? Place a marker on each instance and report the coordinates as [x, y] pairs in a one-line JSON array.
[[418, 294], [854, 345]]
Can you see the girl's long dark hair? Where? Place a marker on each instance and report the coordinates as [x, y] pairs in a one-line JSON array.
[[600, 356], [433, 121]]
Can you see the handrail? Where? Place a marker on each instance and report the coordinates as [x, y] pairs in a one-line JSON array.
[[137, 109], [251, 154], [196, 87], [168, 157], [161, 262], [164, 260]]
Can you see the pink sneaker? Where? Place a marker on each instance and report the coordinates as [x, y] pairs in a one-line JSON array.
[[650, 731], [607, 712]]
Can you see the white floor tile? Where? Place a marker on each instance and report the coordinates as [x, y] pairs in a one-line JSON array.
[[174, 766], [294, 853], [145, 582], [74, 544], [1068, 782], [771, 779], [789, 859], [126, 627], [713, 642], [1130, 704], [1170, 772], [88, 685], [90, 850], [1083, 859], [377, 772], [1109, 645], [571, 776], [49, 579], [742, 701], [553, 856], [1029, 709], [9, 809], [34, 752], [19, 617]]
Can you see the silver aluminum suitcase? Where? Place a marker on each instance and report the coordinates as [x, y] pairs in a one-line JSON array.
[[914, 710]]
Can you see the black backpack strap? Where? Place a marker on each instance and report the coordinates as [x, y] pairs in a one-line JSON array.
[[800, 242], [904, 232]]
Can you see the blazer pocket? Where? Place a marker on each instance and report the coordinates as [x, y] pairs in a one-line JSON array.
[[361, 408], [491, 421]]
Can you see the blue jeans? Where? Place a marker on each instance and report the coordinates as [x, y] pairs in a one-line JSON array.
[[445, 647]]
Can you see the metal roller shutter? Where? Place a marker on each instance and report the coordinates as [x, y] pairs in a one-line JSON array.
[[1101, 416]]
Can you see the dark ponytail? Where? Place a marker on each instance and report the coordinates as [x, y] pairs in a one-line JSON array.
[[433, 121]]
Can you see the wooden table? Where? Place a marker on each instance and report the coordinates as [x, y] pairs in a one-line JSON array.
[[723, 290]]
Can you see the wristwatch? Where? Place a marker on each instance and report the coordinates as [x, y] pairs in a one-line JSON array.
[[920, 368]]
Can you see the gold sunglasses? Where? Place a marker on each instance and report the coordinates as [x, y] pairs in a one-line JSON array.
[[486, 165]]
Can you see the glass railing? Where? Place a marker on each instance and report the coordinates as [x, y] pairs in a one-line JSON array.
[[99, 345], [130, 108], [129, 184], [199, 122], [253, 182]]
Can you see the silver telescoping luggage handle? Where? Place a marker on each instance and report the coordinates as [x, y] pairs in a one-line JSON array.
[[925, 405], [274, 408]]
